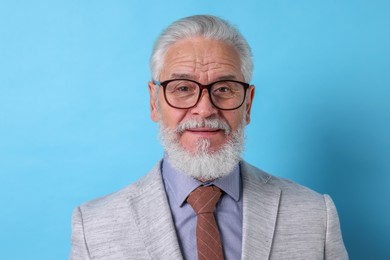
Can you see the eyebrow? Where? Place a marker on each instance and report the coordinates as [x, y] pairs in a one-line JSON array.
[[227, 77], [188, 76], [181, 76]]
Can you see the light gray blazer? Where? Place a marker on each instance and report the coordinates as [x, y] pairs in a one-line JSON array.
[[281, 220]]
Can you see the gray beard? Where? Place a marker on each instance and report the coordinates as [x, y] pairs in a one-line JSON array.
[[204, 165]]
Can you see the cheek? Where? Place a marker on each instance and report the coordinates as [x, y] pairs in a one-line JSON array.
[[171, 117], [234, 119]]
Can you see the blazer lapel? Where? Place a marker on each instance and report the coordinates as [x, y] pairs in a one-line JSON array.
[[260, 208], [153, 217]]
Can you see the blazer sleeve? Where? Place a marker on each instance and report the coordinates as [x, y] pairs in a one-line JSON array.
[[334, 245], [79, 248]]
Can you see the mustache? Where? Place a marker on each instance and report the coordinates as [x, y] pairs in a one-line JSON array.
[[214, 123]]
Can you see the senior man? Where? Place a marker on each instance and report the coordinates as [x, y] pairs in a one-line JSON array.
[[202, 201]]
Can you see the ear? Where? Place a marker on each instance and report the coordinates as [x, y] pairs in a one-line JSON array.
[[251, 95], [153, 92]]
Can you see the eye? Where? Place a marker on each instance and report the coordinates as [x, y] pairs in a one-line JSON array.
[[182, 88], [224, 89]]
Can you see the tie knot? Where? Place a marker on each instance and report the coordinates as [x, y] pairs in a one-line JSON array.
[[204, 198]]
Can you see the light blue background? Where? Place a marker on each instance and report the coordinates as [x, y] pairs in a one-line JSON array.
[[74, 112]]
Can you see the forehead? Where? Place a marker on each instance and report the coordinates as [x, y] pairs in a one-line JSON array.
[[201, 59]]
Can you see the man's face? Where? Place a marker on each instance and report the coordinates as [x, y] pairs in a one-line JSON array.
[[204, 61]]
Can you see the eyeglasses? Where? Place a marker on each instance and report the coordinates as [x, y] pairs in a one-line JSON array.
[[185, 93]]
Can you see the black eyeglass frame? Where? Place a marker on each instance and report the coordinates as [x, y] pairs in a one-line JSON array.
[[202, 87]]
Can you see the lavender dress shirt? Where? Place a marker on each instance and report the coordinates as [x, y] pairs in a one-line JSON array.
[[228, 212]]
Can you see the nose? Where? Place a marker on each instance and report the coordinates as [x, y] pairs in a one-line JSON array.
[[204, 107]]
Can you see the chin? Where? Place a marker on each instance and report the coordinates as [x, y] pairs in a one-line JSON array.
[[203, 159]]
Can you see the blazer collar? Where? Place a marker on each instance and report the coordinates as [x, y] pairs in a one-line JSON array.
[[151, 212], [260, 209]]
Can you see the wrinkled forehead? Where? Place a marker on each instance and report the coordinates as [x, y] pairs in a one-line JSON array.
[[200, 58]]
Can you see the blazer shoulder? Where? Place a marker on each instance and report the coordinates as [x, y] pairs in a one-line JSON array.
[[119, 199], [287, 187], [108, 227], [303, 214]]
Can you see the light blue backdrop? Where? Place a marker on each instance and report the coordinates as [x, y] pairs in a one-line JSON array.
[[74, 113]]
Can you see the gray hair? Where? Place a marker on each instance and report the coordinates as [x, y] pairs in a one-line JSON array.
[[209, 27]]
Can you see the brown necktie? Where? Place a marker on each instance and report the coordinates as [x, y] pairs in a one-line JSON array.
[[203, 201]]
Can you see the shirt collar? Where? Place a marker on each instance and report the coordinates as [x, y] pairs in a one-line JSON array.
[[182, 185]]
